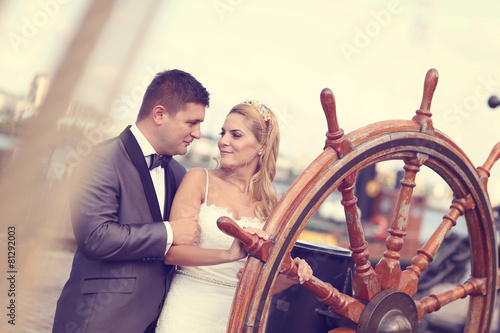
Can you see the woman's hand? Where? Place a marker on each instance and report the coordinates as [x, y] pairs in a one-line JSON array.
[[240, 273], [259, 232], [236, 251], [304, 271]]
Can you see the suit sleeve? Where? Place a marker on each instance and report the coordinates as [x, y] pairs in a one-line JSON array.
[[100, 232]]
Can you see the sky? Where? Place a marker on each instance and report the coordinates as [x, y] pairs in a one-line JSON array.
[[373, 55]]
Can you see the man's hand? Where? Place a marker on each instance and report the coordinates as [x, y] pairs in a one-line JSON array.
[[186, 230]]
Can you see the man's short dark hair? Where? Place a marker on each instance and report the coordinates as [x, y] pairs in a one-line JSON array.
[[173, 89]]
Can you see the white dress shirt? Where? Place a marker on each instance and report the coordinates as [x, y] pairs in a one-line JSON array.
[[157, 176]]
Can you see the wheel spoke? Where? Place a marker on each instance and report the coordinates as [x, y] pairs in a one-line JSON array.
[[419, 263], [365, 281], [389, 267], [434, 302]]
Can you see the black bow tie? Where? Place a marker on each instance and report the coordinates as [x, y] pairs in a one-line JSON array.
[[158, 160]]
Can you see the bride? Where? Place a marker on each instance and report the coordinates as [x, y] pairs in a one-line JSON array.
[[204, 283]]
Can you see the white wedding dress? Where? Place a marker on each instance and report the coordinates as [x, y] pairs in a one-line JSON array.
[[200, 297]]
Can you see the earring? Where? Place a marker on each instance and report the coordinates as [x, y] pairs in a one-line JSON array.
[[260, 153]]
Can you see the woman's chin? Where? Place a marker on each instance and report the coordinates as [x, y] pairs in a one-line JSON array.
[[226, 166]]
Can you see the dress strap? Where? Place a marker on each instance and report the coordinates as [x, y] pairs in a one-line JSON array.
[[206, 190]]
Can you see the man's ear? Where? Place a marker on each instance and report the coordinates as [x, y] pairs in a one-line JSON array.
[[159, 114]]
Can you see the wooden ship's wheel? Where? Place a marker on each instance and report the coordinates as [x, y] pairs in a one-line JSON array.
[[383, 295]]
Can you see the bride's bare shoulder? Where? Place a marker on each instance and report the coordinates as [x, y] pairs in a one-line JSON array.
[[195, 176]]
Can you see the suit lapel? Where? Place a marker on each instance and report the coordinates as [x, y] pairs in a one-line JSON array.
[[135, 153], [170, 190]]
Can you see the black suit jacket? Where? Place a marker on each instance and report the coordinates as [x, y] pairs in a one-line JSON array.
[[118, 279]]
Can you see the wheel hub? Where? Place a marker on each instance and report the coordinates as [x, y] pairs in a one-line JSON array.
[[389, 311]]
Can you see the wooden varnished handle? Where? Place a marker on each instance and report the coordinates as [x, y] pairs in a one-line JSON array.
[[229, 227], [484, 170], [430, 83], [492, 158], [328, 103], [423, 114], [253, 244], [335, 137]]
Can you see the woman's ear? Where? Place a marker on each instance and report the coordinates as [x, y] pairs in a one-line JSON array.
[[260, 149]]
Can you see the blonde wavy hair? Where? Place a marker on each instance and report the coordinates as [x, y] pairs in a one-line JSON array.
[[268, 135]]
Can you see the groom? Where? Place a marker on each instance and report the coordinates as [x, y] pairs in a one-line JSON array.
[[118, 280]]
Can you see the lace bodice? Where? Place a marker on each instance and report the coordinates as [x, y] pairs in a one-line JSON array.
[[213, 238]]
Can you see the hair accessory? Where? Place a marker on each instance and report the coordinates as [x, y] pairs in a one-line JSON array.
[[260, 109]]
